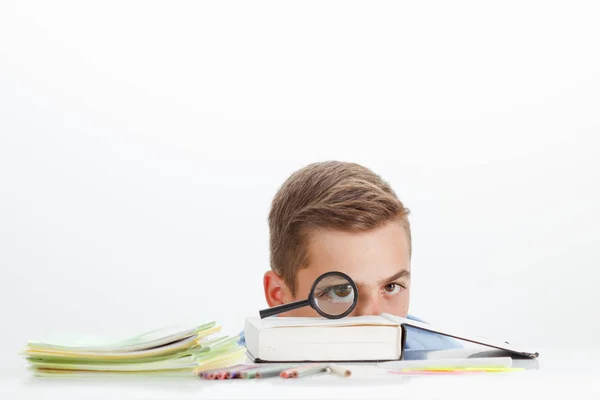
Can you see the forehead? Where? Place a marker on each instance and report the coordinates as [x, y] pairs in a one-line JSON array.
[[366, 257]]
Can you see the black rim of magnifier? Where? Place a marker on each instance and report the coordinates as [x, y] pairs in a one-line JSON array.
[[269, 312], [311, 299]]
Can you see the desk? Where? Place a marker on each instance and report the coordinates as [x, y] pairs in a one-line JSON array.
[[562, 374]]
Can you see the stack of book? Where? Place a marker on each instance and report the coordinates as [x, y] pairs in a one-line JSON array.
[[161, 352]]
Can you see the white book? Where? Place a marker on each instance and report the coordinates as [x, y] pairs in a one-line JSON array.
[[373, 338]]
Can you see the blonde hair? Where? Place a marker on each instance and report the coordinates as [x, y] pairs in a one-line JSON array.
[[332, 195]]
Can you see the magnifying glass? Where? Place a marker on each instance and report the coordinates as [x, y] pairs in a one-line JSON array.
[[333, 295]]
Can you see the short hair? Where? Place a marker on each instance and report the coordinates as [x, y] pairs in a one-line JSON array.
[[332, 195]]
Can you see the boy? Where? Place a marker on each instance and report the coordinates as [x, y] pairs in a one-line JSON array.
[[341, 216]]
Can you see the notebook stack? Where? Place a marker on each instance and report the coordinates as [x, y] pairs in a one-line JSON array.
[[162, 352]]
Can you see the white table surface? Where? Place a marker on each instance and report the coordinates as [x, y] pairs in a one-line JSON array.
[[563, 373]]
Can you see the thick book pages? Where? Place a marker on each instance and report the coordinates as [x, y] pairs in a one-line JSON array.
[[351, 339]]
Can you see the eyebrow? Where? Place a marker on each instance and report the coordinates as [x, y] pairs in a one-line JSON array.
[[400, 274]]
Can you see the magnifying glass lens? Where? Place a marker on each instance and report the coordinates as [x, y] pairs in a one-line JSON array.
[[334, 295]]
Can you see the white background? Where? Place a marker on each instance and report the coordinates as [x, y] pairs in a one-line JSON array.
[[141, 145]]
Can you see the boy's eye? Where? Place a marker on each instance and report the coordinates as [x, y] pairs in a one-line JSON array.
[[342, 290], [337, 294], [392, 288]]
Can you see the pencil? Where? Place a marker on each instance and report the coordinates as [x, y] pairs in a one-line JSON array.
[[293, 371], [341, 371], [207, 373], [234, 373], [221, 375], [303, 370], [265, 371], [202, 374], [212, 373], [310, 371], [288, 373]]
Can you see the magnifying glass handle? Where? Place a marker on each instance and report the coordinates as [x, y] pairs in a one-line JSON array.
[[283, 308]]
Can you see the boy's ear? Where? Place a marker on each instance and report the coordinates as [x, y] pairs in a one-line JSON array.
[[275, 289]]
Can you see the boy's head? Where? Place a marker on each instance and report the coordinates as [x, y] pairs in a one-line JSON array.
[[337, 216]]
